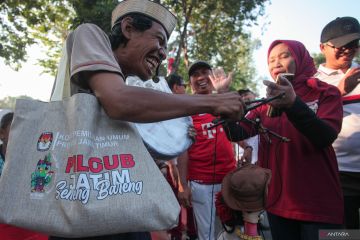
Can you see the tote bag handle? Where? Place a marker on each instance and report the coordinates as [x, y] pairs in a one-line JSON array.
[[61, 88]]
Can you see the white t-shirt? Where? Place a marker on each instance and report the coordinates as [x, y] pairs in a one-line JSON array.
[[347, 145]]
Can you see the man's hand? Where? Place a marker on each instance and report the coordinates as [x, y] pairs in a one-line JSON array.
[[184, 191], [349, 81], [229, 105], [283, 86], [184, 195], [220, 80]]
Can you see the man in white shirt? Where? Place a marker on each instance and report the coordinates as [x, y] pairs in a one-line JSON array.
[[340, 44]]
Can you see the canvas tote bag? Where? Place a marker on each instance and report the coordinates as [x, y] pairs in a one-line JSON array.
[[71, 171]]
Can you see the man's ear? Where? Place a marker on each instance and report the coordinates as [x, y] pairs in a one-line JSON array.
[[322, 47], [127, 27]]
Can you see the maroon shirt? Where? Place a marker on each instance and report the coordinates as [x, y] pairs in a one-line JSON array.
[[305, 183]]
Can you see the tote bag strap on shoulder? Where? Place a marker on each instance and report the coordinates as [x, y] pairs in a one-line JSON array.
[[61, 88]]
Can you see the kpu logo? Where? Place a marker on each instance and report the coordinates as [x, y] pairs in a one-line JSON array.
[[44, 141]]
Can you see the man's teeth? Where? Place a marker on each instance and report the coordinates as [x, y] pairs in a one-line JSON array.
[[203, 83], [152, 63]]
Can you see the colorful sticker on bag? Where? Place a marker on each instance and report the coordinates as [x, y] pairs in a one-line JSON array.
[[43, 174], [45, 141]]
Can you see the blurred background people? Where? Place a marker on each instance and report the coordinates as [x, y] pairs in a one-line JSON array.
[[176, 84], [171, 61], [247, 150]]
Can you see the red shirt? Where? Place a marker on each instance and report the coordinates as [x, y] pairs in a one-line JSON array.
[[206, 164], [9, 232]]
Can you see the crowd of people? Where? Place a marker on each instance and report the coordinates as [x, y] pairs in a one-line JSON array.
[[315, 177]]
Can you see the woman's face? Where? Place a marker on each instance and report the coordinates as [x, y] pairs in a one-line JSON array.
[[280, 61]]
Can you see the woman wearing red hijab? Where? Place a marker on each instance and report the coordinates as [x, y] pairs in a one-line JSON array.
[[304, 193]]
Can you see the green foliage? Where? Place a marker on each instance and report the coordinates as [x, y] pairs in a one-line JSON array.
[[210, 30], [94, 11], [319, 58], [9, 102], [215, 32], [27, 22]]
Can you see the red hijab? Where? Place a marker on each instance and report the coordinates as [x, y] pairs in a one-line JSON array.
[[305, 67]]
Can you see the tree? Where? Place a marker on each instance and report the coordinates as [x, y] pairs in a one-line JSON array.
[[9, 102], [319, 58], [210, 30], [213, 30], [26, 22], [93, 11]]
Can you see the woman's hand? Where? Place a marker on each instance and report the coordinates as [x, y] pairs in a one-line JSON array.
[[283, 86]]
